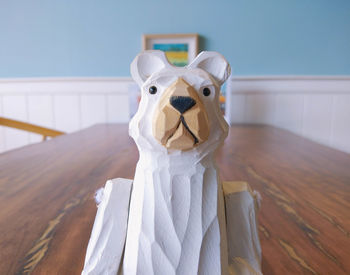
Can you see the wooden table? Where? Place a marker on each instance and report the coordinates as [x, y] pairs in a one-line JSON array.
[[47, 207]]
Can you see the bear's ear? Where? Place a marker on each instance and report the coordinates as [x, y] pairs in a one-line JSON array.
[[214, 64], [147, 63]]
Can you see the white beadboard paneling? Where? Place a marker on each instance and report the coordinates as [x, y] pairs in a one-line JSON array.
[[34, 138], [15, 138], [117, 110], [289, 112], [275, 100], [67, 112], [2, 140], [260, 108], [341, 123], [66, 104], [316, 107], [93, 109], [40, 110], [40, 113], [237, 108], [317, 117], [15, 107]]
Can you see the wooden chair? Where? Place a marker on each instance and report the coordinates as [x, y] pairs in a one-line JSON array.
[[45, 132]]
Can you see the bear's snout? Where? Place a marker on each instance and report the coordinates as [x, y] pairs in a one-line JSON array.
[[180, 121]]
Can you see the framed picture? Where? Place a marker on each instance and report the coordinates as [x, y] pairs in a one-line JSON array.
[[180, 49]]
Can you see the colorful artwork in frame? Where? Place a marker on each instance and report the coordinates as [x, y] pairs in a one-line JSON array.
[[177, 54], [180, 49]]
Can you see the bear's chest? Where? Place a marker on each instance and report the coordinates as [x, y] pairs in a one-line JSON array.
[[174, 218]]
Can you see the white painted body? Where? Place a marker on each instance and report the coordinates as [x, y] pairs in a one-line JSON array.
[[176, 222], [176, 217], [105, 249], [174, 225], [106, 245]]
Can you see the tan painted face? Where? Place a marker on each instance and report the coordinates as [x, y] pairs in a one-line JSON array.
[[180, 121]]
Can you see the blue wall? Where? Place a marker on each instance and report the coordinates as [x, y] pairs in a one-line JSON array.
[[100, 38]]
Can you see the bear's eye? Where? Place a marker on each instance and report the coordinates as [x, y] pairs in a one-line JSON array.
[[206, 91], [152, 90]]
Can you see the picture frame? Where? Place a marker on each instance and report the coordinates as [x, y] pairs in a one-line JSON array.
[[180, 49]]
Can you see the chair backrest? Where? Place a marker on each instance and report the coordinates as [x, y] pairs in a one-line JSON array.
[[45, 132]]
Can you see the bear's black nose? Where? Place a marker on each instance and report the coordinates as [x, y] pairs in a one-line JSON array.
[[182, 103]]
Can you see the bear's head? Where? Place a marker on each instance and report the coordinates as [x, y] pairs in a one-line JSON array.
[[179, 108]]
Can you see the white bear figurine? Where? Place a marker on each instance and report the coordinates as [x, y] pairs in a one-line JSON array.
[[176, 216]]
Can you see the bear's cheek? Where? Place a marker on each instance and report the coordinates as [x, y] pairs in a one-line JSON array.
[[165, 122]]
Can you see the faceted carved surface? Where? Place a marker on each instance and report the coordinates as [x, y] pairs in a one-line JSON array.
[[178, 129], [176, 219], [181, 139], [241, 205], [167, 123], [197, 121], [105, 249], [176, 222]]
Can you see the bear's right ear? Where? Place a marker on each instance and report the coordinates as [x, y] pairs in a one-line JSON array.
[[214, 64], [147, 63]]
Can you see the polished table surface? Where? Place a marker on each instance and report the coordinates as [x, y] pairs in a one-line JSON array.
[[47, 207]]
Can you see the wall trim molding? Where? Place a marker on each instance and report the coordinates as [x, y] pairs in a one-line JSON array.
[[65, 79], [126, 78], [290, 77]]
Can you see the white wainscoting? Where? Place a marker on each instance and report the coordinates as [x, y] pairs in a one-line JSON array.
[[314, 107], [66, 104]]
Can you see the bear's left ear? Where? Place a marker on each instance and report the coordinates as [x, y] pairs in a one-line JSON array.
[[213, 63], [147, 63]]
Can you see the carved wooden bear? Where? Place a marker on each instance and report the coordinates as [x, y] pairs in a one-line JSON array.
[[173, 217]]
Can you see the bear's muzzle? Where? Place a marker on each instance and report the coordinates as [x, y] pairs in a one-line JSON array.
[[180, 121]]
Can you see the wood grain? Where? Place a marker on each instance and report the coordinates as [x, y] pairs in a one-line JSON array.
[[47, 207]]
